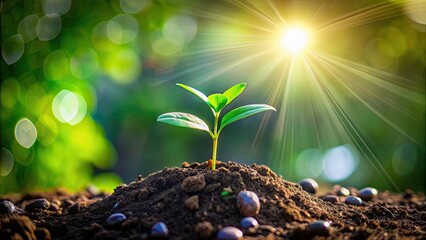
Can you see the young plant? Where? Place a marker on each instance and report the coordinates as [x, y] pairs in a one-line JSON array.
[[216, 102]]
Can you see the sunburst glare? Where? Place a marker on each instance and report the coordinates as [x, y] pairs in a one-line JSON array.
[[345, 89], [295, 39]]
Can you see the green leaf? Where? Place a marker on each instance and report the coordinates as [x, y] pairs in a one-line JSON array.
[[194, 91], [217, 101], [243, 112], [234, 92], [181, 119]]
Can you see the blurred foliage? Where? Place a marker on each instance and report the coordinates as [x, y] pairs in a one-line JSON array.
[[92, 77]]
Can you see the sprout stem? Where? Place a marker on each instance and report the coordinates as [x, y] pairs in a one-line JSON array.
[[215, 138]]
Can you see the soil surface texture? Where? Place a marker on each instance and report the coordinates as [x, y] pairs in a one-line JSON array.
[[195, 202]]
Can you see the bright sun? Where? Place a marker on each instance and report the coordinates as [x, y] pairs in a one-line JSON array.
[[295, 39]]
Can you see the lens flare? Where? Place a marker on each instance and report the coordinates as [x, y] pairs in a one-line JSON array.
[[295, 39]]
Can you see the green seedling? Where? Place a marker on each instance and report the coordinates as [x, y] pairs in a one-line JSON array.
[[216, 102]]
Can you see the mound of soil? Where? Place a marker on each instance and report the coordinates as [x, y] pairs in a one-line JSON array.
[[195, 202]]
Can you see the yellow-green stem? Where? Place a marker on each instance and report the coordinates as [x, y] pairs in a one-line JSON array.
[[215, 138], [214, 153]]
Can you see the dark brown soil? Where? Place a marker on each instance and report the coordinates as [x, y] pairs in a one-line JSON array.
[[188, 208]]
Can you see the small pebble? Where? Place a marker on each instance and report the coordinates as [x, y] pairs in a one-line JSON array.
[[159, 230], [92, 190], [249, 222], [309, 185], [354, 200], [229, 233], [204, 230], [193, 183], [331, 198], [192, 203], [343, 192], [367, 193], [248, 203], [319, 227], [38, 205], [115, 219], [6, 207]]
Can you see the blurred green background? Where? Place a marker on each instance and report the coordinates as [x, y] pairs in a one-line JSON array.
[[82, 83]]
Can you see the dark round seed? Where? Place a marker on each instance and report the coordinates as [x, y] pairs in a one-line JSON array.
[[248, 203], [319, 227], [6, 207], [309, 185], [343, 192], [38, 205], [229, 233], [367, 193], [115, 219], [331, 198], [159, 230], [248, 222], [354, 200]]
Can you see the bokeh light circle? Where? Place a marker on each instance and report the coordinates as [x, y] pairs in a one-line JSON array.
[[132, 6], [404, 159], [49, 27], [100, 40], [56, 65], [123, 66], [13, 48], [309, 163], [180, 29], [6, 162], [339, 163], [122, 29], [84, 63], [25, 133], [59, 7], [163, 46], [69, 107], [27, 27], [380, 53]]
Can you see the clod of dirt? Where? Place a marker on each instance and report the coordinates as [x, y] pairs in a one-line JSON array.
[[285, 213], [204, 230], [193, 183], [21, 227], [192, 203]]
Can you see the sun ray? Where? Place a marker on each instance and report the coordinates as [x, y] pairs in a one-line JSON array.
[[259, 14], [349, 128], [377, 12], [373, 99]]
